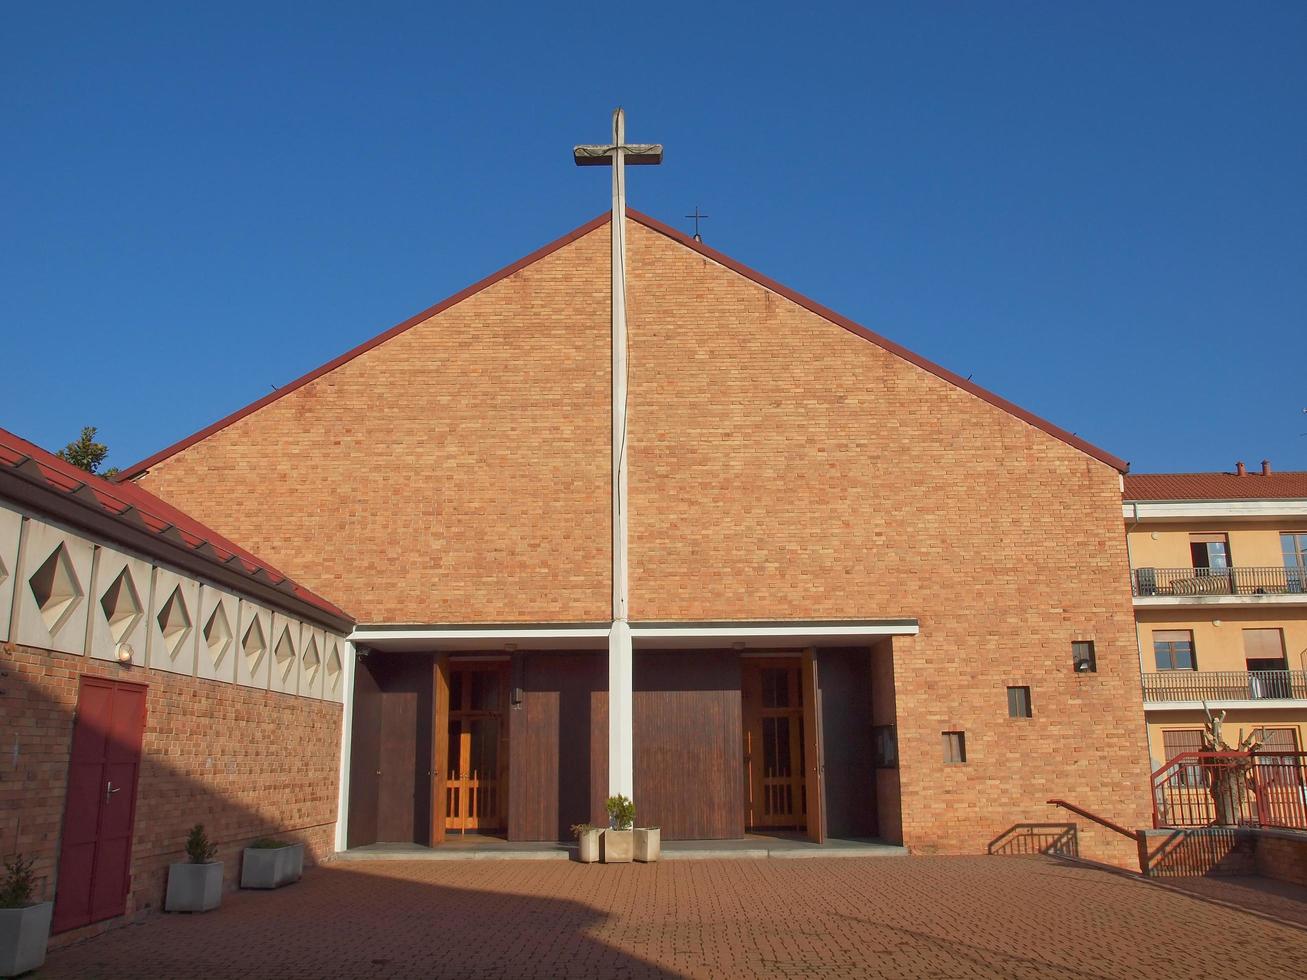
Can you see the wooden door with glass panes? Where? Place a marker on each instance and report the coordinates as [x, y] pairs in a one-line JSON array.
[[476, 764], [774, 744]]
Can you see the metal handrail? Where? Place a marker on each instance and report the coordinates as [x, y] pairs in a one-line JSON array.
[[1225, 685], [1237, 580]]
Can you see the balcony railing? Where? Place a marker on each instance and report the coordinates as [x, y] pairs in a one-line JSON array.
[[1225, 685], [1218, 581]]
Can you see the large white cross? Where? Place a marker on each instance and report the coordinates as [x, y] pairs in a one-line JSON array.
[[621, 743]]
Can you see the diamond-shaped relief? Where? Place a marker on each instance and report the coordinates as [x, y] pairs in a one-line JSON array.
[[56, 589], [174, 623], [122, 606], [254, 646], [217, 636], [333, 669], [284, 654], [311, 661]]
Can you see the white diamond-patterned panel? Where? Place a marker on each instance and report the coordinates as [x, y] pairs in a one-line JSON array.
[[333, 669], [219, 641], [119, 607], [51, 591], [285, 650], [312, 661], [11, 523], [174, 626], [253, 646]]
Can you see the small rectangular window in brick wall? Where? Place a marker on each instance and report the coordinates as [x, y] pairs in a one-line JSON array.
[[955, 747], [1082, 657], [1018, 702]]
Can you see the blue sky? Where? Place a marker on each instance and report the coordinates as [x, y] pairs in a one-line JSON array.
[[1097, 210]]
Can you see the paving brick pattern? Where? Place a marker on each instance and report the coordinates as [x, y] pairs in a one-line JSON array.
[[918, 917]]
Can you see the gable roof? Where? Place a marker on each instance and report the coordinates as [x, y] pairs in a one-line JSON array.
[[138, 469], [132, 515], [1216, 486]]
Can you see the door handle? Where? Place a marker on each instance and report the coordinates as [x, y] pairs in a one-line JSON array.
[[109, 790]]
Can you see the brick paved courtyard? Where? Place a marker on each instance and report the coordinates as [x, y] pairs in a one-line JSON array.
[[908, 917]]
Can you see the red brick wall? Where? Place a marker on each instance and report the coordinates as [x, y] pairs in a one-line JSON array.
[[1283, 855], [782, 467], [243, 762], [459, 472]]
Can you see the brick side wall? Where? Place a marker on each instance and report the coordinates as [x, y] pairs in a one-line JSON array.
[[1283, 855], [458, 472], [243, 762], [782, 467]]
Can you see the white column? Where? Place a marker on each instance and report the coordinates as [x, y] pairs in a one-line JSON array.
[[621, 763], [346, 747]]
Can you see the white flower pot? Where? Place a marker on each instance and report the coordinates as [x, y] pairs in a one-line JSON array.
[[648, 843], [588, 846], [193, 887], [271, 867], [23, 935], [619, 845]]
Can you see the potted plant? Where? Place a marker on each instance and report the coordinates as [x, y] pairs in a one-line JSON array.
[[269, 863], [587, 837], [24, 924], [195, 885], [648, 843], [618, 841]]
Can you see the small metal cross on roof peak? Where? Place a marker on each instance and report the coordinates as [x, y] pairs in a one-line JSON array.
[[697, 216]]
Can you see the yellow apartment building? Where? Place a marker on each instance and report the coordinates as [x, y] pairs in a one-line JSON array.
[[1218, 570]]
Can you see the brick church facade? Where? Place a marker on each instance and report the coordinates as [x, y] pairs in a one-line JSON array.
[[799, 488], [861, 588]]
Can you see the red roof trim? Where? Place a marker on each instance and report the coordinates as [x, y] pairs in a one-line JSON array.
[[137, 469], [840, 321], [151, 514]]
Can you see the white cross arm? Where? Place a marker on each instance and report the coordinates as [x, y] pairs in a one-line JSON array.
[[602, 156]]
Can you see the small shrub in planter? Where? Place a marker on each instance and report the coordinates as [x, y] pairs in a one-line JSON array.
[[24, 923], [269, 863], [587, 837], [195, 885], [619, 845]]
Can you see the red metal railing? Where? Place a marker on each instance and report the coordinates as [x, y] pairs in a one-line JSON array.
[[1232, 789]]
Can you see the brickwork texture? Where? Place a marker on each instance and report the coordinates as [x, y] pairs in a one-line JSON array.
[[245, 763]]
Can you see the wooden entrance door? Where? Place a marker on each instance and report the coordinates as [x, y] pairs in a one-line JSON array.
[[774, 751], [476, 763], [100, 811]]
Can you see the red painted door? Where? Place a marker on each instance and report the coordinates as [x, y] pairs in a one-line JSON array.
[[100, 810]]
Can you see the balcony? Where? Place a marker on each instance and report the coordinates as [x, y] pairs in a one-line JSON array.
[[1199, 582], [1225, 685]]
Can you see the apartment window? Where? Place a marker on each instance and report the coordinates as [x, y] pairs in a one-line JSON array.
[[1209, 551], [1082, 657], [1018, 702], [955, 747], [1280, 770], [1182, 740], [1174, 650], [1263, 649], [1294, 546]]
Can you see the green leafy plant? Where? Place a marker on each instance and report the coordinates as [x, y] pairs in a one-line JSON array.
[[267, 844], [579, 830], [198, 846], [621, 812], [18, 885]]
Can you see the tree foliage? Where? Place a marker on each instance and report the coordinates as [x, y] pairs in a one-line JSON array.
[[87, 454]]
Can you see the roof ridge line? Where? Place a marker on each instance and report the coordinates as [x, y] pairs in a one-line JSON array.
[[885, 343], [137, 469]]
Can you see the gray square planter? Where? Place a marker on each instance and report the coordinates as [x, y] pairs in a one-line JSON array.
[[23, 935], [271, 867], [193, 887], [618, 846], [648, 843], [587, 850]]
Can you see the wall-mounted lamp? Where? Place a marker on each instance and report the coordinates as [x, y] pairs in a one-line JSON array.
[[125, 653]]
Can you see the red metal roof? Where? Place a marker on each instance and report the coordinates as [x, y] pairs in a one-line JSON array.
[[137, 469], [1215, 486], [138, 509]]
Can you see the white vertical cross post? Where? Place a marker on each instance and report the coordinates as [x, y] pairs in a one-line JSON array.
[[621, 741]]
